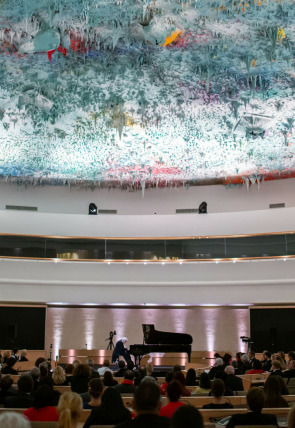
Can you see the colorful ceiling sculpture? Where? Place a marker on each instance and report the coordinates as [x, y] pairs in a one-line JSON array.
[[146, 92]]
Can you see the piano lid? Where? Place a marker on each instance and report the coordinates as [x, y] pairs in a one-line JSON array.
[[152, 336]]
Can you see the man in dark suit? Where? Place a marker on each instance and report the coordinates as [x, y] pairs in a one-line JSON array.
[[255, 403], [266, 362], [233, 382], [121, 350], [127, 385], [23, 399], [147, 404], [122, 369], [276, 368], [9, 368], [291, 371]]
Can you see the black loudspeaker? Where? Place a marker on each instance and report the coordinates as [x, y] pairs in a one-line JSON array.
[[12, 331], [92, 209], [203, 208]]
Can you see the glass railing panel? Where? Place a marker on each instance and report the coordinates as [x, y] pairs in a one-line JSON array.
[[75, 248], [203, 248], [290, 239], [174, 249], [256, 246], [25, 246], [135, 250]]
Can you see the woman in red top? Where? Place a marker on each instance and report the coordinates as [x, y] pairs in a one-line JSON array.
[[42, 410], [174, 391], [181, 379], [168, 379], [256, 367]]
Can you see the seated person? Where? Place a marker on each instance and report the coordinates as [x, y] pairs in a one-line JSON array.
[[223, 376], [246, 364], [276, 368], [23, 398], [13, 420], [147, 404], [23, 355], [6, 389], [274, 387], [291, 370], [121, 350], [69, 409], [187, 417], [204, 385], [15, 354], [140, 375], [105, 367], [150, 370], [181, 379], [8, 369], [217, 366], [255, 403], [168, 379], [36, 374], [127, 385], [266, 362], [108, 379], [256, 367], [80, 378], [42, 409], [90, 364], [233, 382], [96, 389], [191, 377], [122, 369], [59, 377], [111, 411], [174, 391], [219, 401]]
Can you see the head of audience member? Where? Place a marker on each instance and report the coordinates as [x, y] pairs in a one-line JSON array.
[[169, 376], [291, 417], [279, 358], [25, 384], [13, 420], [218, 362], [69, 368], [39, 361], [147, 399], [82, 371], [257, 365], [11, 362], [220, 375], [276, 365], [121, 364], [129, 375], [180, 377], [255, 399], [149, 369], [111, 403], [6, 355], [234, 364], [217, 355], [205, 382], [43, 369], [141, 372], [217, 388], [69, 409], [23, 353], [106, 363], [130, 365], [291, 364], [149, 379], [187, 417], [282, 354], [95, 388], [6, 383], [266, 355], [229, 370], [251, 354], [291, 355], [90, 363], [274, 387], [58, 375], [191, 377], [15, 351], [35, 373], [245, 358], [176, 368], [43, 397], [226, 358], [174, 391], [108, 379], [76, 363], [238, 356]]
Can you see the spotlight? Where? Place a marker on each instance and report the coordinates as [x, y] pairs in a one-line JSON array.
[[203, 208], [92, 209]]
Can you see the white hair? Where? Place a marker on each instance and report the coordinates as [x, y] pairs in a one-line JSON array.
[[245, 357], [124, 339], [218, 362], [229, 370], [13, 420]]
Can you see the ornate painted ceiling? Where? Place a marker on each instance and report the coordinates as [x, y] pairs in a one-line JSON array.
[[141, 92]]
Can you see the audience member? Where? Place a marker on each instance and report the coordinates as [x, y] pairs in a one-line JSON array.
[[108, 379], [187, 417], [90, 364], [111, 411], [222, 375], [181, 379], [6, 355], [283, 356], [95, 392], [256, 367], [191, 378], [8, 369], [147, 404], [76, 363], [105, 367], [273, 389], [69, 368], [246, 364], [122, 369], [6, 389], [45, 375], [255, 403], [276, 368], [150, 370], [279, 358], [174, 391], [42, 409], [291, 370], [59, 377], [168, 379], [266, 362], [35, 373], [217, 367], [151, 379], [176, 368], [15, 354], [204, 385], [291, 417], [69, 410], [219, 401], [227, 358], [239, 359], [232, 382], [251, 355], [13, 420], [291, 355], [140, 375], [127, 385], [23, 355], [80, 378], [39, 361], [23, 399]]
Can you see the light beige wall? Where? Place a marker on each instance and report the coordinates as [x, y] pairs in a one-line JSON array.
[[212, 329]]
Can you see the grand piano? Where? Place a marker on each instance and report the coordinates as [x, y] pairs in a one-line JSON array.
[[161, 341]]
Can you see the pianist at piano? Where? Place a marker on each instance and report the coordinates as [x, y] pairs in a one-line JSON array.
[[121, 350]]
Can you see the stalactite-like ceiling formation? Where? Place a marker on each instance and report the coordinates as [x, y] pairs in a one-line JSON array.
[[148, 92]]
